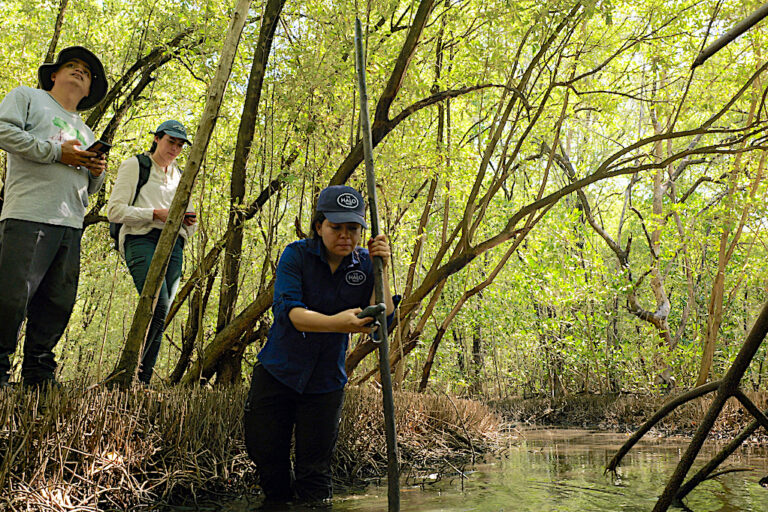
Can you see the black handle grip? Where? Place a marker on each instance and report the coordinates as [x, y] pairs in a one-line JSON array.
[[373, 311]]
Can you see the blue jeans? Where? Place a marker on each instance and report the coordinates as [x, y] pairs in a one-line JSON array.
[[139, 250]]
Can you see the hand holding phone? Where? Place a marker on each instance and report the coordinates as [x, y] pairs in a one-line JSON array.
[[100, 147], [72, 155]]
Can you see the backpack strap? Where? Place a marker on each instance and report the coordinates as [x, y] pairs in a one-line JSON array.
[[145, 167]]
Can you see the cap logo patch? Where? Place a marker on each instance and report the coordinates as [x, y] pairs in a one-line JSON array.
[[355, 277], [347, 200]]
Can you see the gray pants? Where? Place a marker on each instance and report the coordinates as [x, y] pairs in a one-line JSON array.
[[39, 270]]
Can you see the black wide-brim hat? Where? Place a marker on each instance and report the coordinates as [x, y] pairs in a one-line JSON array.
[[98, 77]]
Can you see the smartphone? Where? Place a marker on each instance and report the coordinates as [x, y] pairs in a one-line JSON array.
[[190, 215], [100, 147]]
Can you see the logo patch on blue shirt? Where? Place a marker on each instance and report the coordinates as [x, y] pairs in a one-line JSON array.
[[355, 277], [347, 200]]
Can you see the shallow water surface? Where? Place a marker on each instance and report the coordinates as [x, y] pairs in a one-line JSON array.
[[562, 471]]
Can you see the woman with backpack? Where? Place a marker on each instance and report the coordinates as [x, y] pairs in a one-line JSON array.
[[139, 204]]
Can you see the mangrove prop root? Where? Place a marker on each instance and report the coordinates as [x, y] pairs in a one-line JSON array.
[[704, 473], [726, 388], [752, 408], [667, 408], [726, 471]]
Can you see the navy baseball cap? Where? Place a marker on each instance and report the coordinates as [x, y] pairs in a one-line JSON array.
[[173, 128], [340, 203]]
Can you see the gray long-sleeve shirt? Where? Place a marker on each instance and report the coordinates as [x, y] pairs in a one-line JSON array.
[[38, 187]]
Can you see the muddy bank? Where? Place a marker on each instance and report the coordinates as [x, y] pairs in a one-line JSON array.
[[626, 412], [74, 449]]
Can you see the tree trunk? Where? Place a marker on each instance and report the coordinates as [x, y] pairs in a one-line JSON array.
[[193, 329], [726, 388], [421, 230], [229, 336], [425, 371], [461, 360], [233, 248], [476, 387], [381, 125], [229, 367], [56, 32], [725, 252]]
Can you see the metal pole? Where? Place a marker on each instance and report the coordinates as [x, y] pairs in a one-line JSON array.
[[393, 466]]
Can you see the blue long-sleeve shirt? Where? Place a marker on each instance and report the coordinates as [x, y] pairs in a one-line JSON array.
[[313, 362]]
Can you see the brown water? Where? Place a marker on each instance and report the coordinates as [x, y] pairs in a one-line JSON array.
[[562, 471]]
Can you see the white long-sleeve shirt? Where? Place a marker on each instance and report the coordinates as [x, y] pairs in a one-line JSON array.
[[157, 193]]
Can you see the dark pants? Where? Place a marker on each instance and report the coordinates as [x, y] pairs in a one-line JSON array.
[[139, 250], [273, 413], [39, 269]]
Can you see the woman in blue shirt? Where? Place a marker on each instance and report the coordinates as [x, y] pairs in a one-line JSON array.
[[297, 386]]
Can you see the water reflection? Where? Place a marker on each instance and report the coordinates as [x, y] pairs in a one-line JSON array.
[[562, 471]]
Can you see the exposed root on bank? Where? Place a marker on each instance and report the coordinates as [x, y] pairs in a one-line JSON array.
[[113, 449], [437, 435], [100, 449]]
